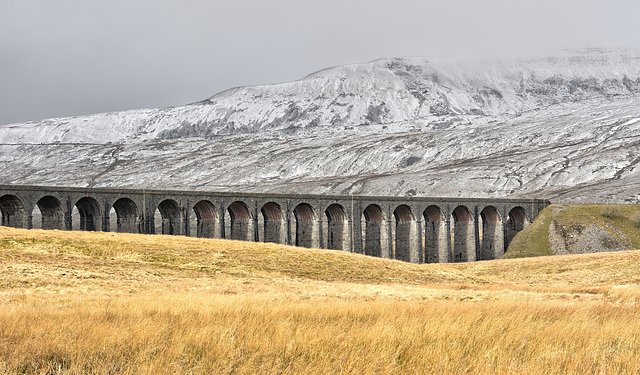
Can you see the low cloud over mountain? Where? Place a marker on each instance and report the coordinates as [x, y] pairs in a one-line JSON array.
[[565, 128]]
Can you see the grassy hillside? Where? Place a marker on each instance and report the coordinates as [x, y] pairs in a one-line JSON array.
[[570, 229], [78, 302]]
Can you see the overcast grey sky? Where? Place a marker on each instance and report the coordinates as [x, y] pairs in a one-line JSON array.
[[73, 57]]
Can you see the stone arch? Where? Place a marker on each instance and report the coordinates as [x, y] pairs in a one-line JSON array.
[[241, 223], [435, 236], [306, 226], [374, 238], [206, 219], [273, 228], [337, 228], [464, 243], [52, 213], [405, 239], [490, 233], [90, 216], [127, 216], [12, 211], [171, 217], [517, 220]]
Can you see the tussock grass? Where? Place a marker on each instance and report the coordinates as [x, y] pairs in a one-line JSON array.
[[248, 334], [79, 303], [211, 256]]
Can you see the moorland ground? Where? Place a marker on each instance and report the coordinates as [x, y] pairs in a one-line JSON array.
[[107, 303]]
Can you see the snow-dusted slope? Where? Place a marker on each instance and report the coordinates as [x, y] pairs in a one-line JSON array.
[[566, 127]]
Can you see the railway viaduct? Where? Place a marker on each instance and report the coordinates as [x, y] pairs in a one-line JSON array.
[[412, 229]]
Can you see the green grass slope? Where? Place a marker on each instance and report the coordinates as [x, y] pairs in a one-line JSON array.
[[563, 229]]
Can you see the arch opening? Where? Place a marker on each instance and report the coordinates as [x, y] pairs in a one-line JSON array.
[[206, 220], [170, 218], [337, 228], [89, 211], [403, 213], [405, 236], [461, 214], [241, 224], [374, 237], [12, 212], [517, 220], [373, 212], [490, 233], [463, 239], [306, 223], [435, 236], [51, 213], [127, 216], [517, 215], [272, 223]]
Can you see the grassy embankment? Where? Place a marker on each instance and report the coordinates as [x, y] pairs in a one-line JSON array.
[[77, 303], [621, 223]]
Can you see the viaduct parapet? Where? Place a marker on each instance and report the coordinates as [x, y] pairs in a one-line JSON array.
[[412, 229]]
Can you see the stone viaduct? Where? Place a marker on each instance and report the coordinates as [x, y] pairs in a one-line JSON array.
[[412, 229]]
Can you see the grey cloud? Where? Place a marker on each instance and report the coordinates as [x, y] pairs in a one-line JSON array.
[[75, 57]]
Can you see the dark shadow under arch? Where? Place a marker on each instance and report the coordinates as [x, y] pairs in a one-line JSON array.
[[273, 224], [517, 220], [375, 240], [171, 215], [241, 223], [337, 228], [435, 236], [464, 243], [90, 217], [127, 216], [405, 241], [13, 212], [207, 219], [306, 230], [89, 211], [491, 235], [52, 213]]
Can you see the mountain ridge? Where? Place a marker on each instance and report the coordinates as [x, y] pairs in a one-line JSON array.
[[563, 128]]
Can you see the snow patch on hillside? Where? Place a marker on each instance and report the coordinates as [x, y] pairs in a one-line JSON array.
[[566, 127]]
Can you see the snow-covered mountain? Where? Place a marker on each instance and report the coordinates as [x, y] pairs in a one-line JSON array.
[[565, 128]]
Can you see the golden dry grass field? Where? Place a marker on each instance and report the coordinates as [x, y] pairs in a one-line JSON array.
[[105, 303]]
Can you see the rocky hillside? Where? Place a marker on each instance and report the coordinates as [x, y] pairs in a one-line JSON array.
[[565, 128], [562, 229]]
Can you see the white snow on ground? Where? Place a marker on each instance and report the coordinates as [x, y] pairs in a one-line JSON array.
[[565, 128]]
